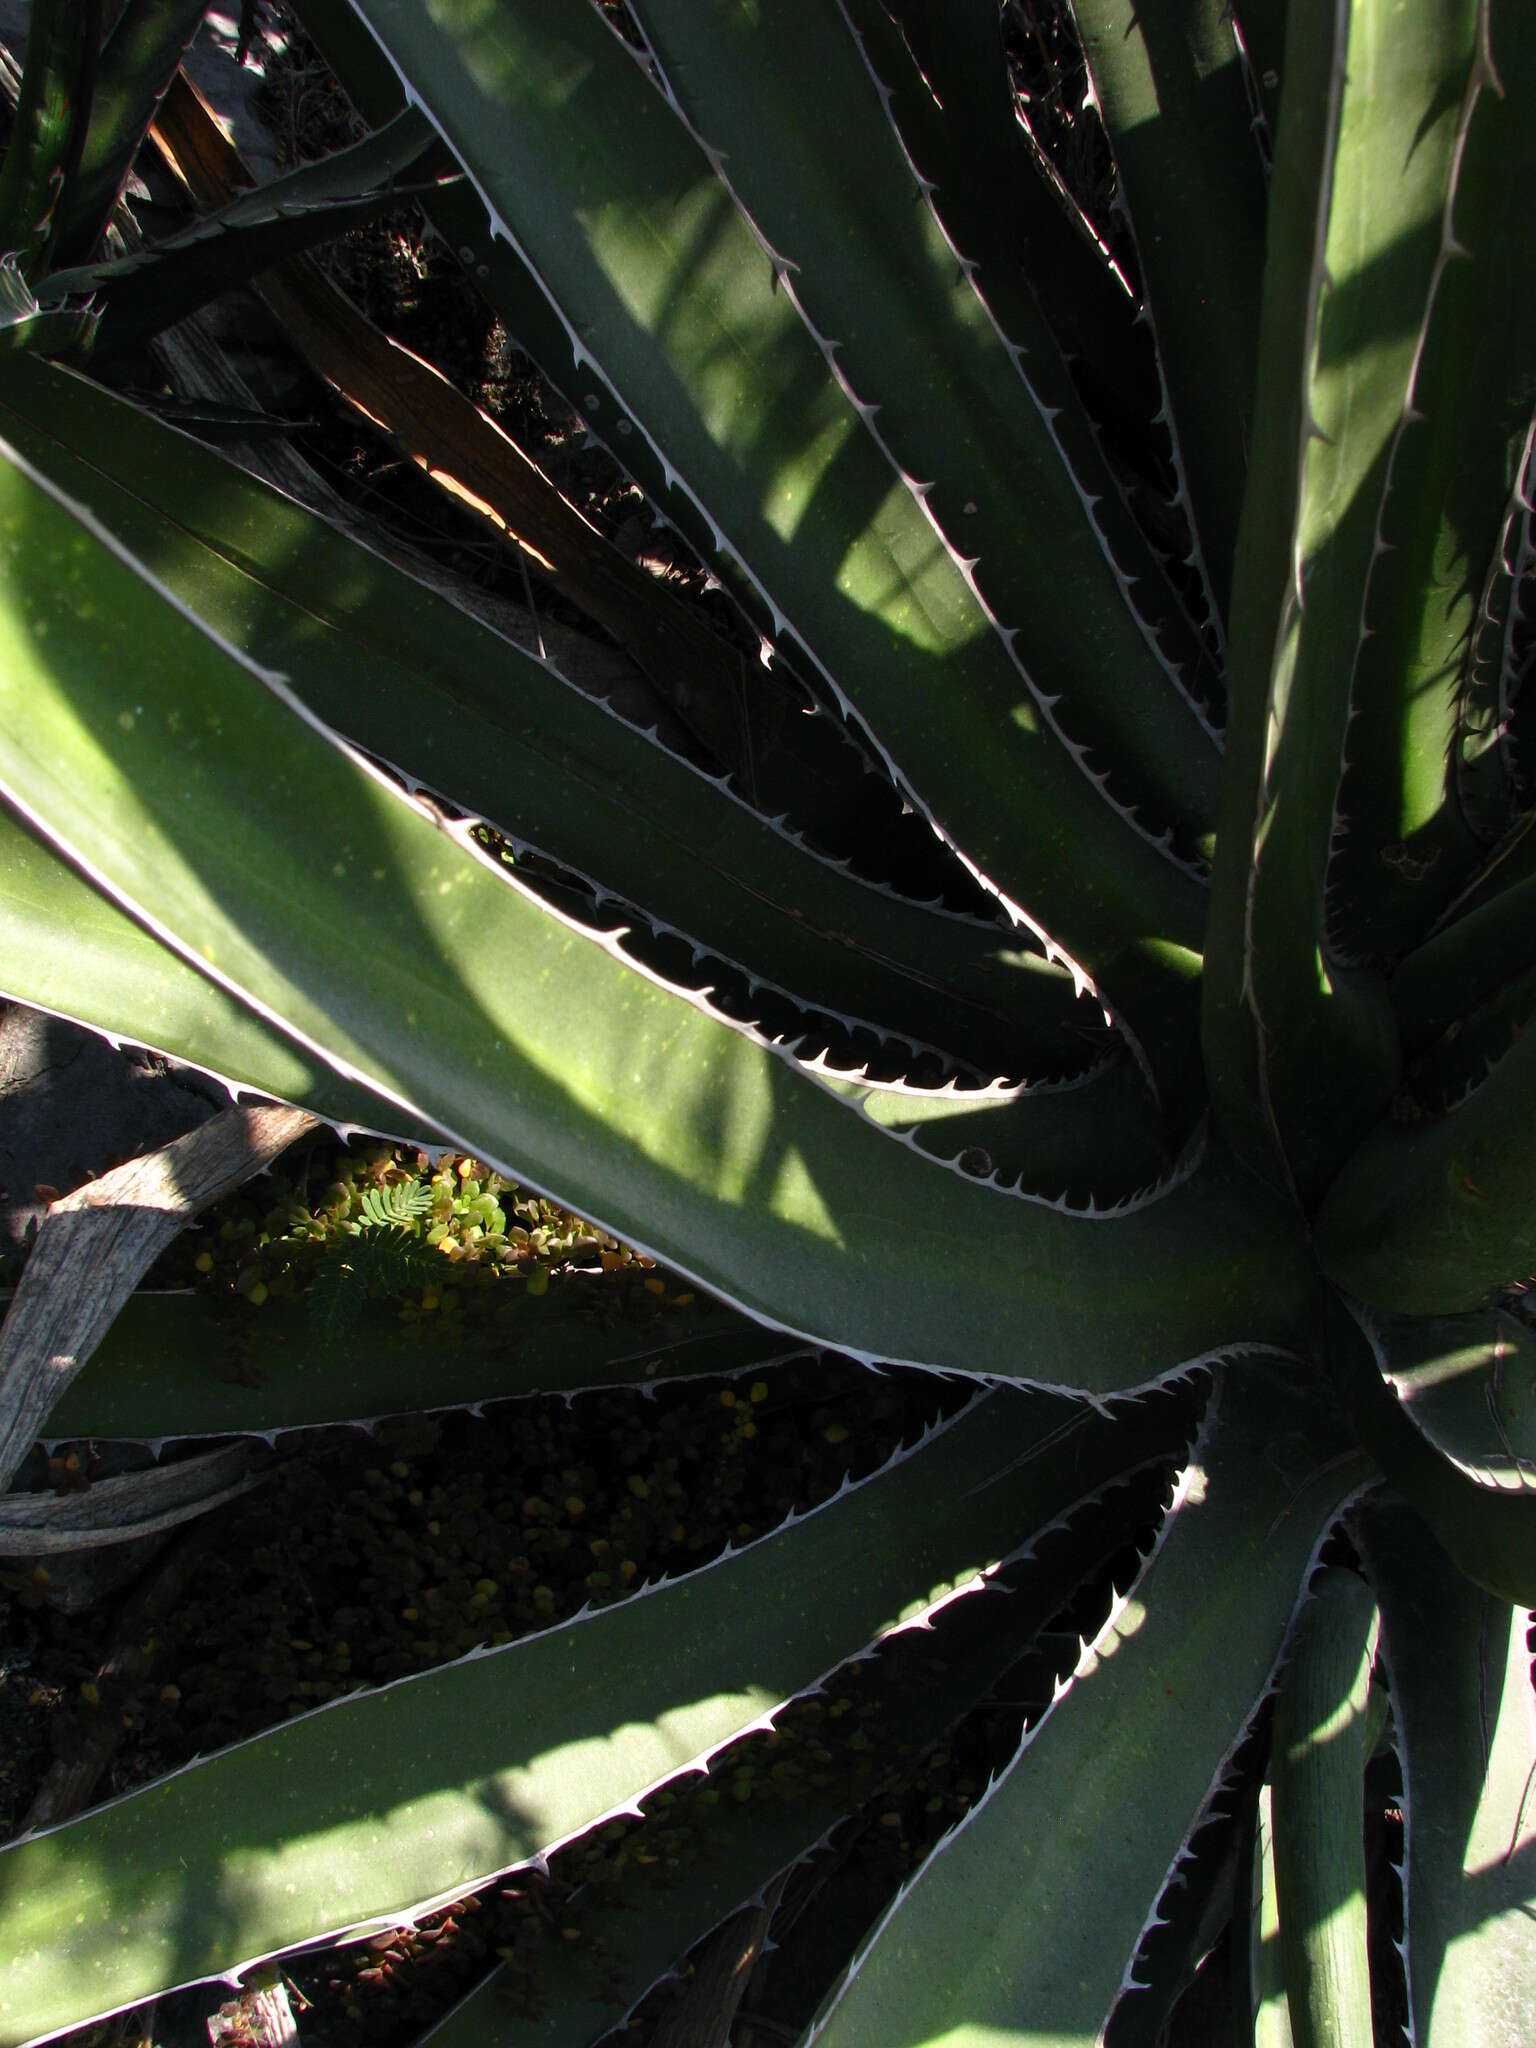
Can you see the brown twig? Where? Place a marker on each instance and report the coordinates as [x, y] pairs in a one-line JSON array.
[[96, 1245], [121, 1510]]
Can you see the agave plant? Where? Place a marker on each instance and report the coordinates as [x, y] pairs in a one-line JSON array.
[[1178, 577]]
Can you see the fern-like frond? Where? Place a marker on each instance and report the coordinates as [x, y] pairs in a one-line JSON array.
[[397, 1205], [377, 1263]]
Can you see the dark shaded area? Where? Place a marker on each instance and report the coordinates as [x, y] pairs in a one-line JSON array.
[[72, 1106]]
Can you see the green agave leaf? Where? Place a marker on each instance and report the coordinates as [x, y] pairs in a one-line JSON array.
[[1264, 2018], [1321, 1744], [669, 297], [1364, 177], [1461, 1061], [1508, 866], [64, 947], [1430, 1218], [1171, 90], [1099, 1139], [1023, 1924], [137, 63], [1193, 1911], [1486, 775], [186, 1365], [1264, 569], [1467, 963], [1000, 206], [1459, 1664], [958, 51], [265, 851], [355, 1816], [138, 295], [417, 682], [1414, 832], [1488, 1527], [927, 1680], [48, 126], [1262, 25], [1464, 996], [516, 292], [44, 331], [1469, 1382], [645, 1928], [957, 118], [809, 151]]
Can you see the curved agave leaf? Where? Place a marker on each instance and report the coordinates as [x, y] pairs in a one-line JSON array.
[[137, 63], [1508, 866], [1264, 570], [797, 123], [1100, 1138], [1264, 1991], [64, 947], [1457, 1064], [425, 687], [39, 330], [47, 131], [1431, 1218], [354, 1816], [516, 292], [1424, 675], [1361, 233], [1193, 1911], [675, 307], [644, 1927], [1488, 779], [998, 205], [1090, 311], [957, 120], [1024, 1922], [925, 1680], [176, 1365], [1262, 27], [1469, 1382], [1468, 963], [1321, 1743], [1489, 1528], [320, 895], [1170, 87], [1459, 1664]]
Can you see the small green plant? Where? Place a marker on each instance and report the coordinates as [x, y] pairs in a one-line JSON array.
[[391, 1223], [385, 1257], [396, 1207]]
